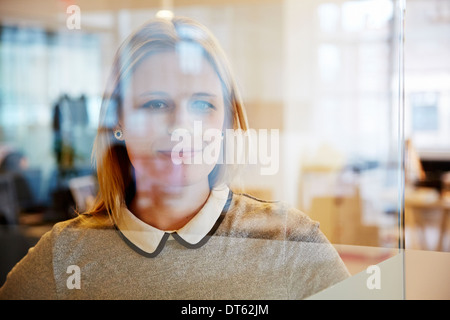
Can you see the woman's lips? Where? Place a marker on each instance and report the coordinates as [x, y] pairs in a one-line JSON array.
[[183, 154]]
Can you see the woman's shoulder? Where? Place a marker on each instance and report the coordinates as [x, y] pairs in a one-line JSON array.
[[253, 207], [81, 224], [254, 217]]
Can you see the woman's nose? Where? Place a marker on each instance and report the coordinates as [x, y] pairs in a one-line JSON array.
[[179, 119]]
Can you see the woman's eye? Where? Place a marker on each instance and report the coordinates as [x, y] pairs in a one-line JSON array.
[[202, 106], [155, 105]]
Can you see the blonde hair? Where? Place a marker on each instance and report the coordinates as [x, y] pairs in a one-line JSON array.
[[114, 171]]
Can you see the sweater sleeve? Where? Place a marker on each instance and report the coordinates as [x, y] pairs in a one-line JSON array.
[[313, 262], [32, 277]]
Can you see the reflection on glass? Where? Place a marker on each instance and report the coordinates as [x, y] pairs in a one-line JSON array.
[[162, 204], [319, 133]]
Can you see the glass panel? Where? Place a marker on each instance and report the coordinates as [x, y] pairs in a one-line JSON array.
[[316, 209], [344, 115]]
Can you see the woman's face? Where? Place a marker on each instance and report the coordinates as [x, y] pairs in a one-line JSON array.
[[168, 107]]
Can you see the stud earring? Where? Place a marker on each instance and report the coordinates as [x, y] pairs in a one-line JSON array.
[[118, 134]]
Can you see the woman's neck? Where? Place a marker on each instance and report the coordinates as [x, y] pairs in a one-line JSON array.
[[169, 208]]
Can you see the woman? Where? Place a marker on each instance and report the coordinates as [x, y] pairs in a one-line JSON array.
[[166, 225]]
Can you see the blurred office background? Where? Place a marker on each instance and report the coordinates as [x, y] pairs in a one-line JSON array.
[[324, 73]]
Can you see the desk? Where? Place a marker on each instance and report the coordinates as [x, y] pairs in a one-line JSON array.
[[410, 274], [426, 275], [419, 208]]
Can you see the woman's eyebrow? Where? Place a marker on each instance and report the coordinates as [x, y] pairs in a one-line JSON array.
[[204, 94], [166, 94], [154, 93]]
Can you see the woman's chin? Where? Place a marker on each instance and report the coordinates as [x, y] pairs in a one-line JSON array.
[[182, 175]]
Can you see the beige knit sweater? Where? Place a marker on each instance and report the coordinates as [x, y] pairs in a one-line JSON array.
[[260, 250]]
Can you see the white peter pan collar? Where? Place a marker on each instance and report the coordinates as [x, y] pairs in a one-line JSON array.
[[149, 240]]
